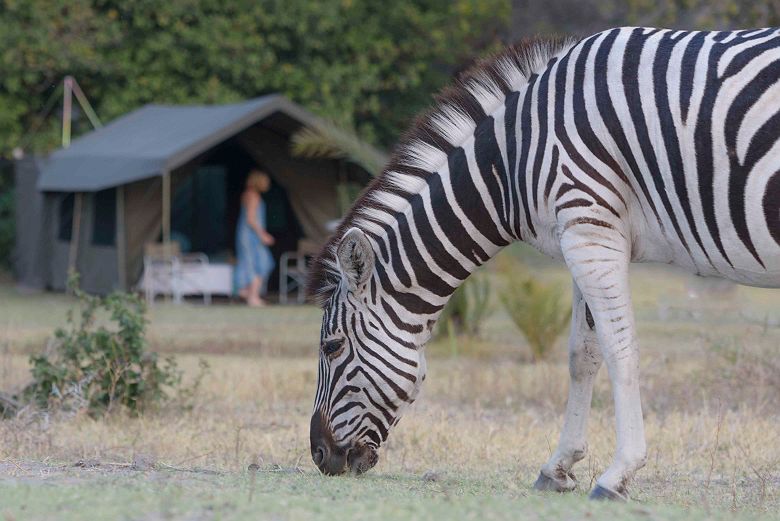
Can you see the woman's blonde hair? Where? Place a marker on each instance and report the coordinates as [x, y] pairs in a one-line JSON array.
[[258, 180]]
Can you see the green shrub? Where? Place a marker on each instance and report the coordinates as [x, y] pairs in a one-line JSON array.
[[467, 309], [100, 368], [539, 310]]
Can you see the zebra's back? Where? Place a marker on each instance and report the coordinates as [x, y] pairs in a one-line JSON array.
[[685, 128]]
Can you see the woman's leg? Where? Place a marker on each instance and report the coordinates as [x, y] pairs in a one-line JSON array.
[[253, 292], [260, 298]]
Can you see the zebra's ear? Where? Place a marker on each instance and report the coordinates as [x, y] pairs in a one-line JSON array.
[[356, 258]]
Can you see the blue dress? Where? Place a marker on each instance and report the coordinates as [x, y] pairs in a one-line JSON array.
[[254, 257]]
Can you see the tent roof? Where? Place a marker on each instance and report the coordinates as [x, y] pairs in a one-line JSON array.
[[155, 139]]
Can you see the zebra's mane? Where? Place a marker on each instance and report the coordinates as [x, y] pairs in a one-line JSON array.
[[424, 148]]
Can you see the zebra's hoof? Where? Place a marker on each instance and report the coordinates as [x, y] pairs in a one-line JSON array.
[[600, 493], [545, 483]]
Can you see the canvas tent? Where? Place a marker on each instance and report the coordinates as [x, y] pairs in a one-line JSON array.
[[165, 173]]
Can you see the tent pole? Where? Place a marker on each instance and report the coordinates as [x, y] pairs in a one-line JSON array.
[[166, 218], [166, 211], [85, 104], [121, 246], [67, 110], [67, 113], [69, 85], [74, 234]]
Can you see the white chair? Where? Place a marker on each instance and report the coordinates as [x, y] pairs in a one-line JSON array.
[[159, 270], [292, 276], [293, 270]]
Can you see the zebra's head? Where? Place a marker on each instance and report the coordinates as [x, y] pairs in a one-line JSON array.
[[367, 373]]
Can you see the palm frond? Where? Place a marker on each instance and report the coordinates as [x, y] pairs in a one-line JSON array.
[[326, 140]]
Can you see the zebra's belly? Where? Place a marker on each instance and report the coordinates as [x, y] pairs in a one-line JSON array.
[[747, 275], [739, 265], [740, 243]]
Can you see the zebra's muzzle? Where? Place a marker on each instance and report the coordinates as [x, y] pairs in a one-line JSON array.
[[333, 460], [327, 455], [361, 459]]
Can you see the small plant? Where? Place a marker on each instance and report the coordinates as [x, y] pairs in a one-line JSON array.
[[97, 368], [467, 309], [539, 310]]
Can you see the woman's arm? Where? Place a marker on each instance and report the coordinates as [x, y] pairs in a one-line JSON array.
[[252, 202]]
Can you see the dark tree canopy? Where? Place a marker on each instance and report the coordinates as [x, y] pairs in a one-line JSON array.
[[366, 65]]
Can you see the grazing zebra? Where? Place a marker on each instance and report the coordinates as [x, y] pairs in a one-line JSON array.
[[632, 145]]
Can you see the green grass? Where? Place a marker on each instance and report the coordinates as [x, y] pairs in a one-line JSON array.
[[26, 321], [289, 495]]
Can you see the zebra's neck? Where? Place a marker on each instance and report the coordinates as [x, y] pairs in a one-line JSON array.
[[430, 240], [433, 230], [454, 193]]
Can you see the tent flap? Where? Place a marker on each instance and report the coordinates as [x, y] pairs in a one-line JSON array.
[[143, 215], [311, 191]]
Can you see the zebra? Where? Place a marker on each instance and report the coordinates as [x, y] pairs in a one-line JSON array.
[[631, 145]]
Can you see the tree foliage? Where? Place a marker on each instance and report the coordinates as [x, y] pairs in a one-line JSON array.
[[366, 65], [586, 17], [704, 14]]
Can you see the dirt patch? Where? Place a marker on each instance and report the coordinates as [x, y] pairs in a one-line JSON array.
[[36, 473]]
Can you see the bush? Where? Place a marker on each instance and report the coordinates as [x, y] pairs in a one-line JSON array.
[[467, 309], [539, 310], [100, 369]]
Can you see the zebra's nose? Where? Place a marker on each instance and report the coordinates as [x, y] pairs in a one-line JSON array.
[[325, 453], [318, 455], [331, 460]]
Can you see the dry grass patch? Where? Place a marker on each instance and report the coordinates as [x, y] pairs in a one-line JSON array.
[[487, 416], [256, 411]]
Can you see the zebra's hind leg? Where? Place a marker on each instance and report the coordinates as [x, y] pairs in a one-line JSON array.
[[598, 254], [584, 362]]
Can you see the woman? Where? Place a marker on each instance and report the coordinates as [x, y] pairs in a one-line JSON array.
[[255, 261]]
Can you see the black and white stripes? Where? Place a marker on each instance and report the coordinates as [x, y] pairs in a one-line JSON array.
[[634, 144]]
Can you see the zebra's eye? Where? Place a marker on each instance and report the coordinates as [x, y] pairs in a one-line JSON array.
[[332, 347]]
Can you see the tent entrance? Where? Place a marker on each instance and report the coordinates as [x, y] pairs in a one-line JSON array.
[[206, 205], [198, 211]]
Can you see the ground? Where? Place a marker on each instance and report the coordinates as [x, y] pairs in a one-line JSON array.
[[471, 447]]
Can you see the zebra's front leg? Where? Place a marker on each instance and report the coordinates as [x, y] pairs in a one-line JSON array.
[[584, 363], [598, 255]]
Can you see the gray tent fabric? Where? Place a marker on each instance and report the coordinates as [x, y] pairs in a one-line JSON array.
[[143, 212], [96, 265], [152, 140], [30, 250]]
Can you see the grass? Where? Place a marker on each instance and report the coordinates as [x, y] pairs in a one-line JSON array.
[[286, 495], [487, 420]]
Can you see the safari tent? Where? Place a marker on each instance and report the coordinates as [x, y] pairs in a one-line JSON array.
[[165, 174]]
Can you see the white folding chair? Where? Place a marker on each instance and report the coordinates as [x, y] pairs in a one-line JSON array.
[[293, 270], [292, 276]]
